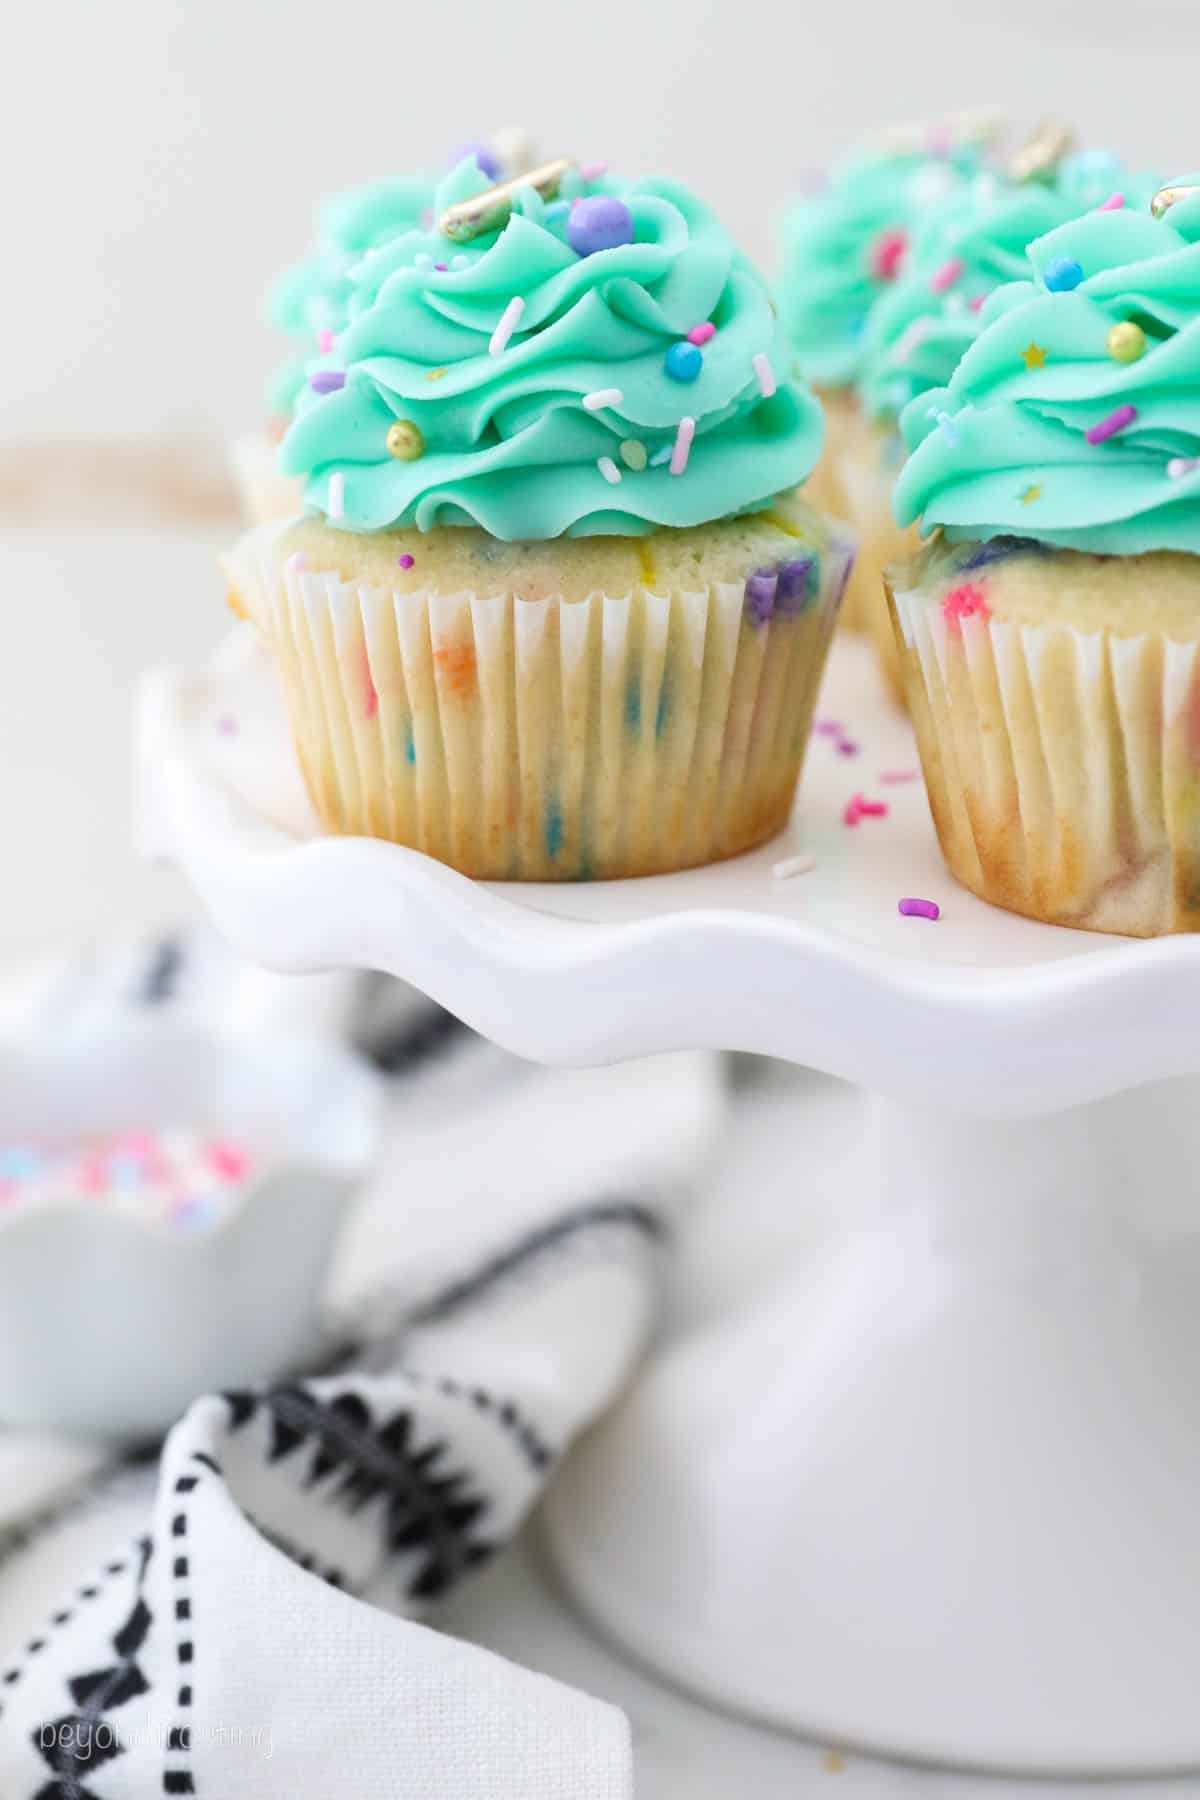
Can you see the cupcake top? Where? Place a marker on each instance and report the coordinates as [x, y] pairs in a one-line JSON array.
[[844, 245], [1073, 419], [971, 242], [585, 356]]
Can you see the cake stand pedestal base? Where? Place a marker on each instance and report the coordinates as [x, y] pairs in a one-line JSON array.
[[932, 1491]]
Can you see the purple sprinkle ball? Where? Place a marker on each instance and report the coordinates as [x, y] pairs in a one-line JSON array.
[[486, 159], [326, 381], [599, 222], [794, 585], [760, 595], [920, 909]]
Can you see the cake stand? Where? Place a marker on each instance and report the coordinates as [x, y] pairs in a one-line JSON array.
[[933, 1488]]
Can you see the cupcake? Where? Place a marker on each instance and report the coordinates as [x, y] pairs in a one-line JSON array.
[[312, 302], [843, 247], [558, 610], [969, 244], [1050, 630]]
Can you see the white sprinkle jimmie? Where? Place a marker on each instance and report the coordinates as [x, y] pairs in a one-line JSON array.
[[765, 374], [683, 445], [911, 338], [601, 397], [793, 865], [508, 324], [337, 495], [660, 457], [608, 469], [1182, 465]]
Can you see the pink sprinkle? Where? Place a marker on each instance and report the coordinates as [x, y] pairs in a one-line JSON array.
[[851, 815], [764, 374], [1116, 421], [888, 252], [847, 747], [919, 909], [227, 726], [325, 339], [976, 305], [871, 809], [593, 171], [700, 334], [964, 603], [893, 777], [230, 1162], [683, 445], [441, 267], [828, 728], [406, 561], [947, 275], [1112, 204]]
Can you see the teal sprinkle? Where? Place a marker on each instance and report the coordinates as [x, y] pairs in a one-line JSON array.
[[664, 709], [633, 706], [410, 748], [554, 829]]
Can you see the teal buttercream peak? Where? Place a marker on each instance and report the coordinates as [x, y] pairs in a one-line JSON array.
[[1073, 418], [530, 369], [841, 245]]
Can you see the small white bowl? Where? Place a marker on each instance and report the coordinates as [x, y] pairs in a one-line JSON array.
[[111, 1326]]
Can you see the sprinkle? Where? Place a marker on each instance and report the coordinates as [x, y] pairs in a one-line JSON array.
[[912, 337], [945, 424], [435, 374], [405, 440], [1032, 492], [683, 362], [406, 560], [608, 469], [601, 397], [793, 865], [633, 453], [441, 268], [1034, 357], [295, 561], [827, 728], [976, 304], [893, 777], [1061, 274], [919, 909], [765, 374], [508, 324], [325, 340], [337, 495], [683, 445], [661, 456], [227, 726], [592, 171], [851, 814], [846, 746], [888, 252], [599, 222], [327, 381], [1112, 204], [947, 275], [1182, 465], [871, 809], [759, 599], [1126, 342], [965, 602], [700, 334], [1116, 420]]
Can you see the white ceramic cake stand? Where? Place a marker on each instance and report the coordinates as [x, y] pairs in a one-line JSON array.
[[936, 1490]]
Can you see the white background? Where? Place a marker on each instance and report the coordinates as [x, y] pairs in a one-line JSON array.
[[163, 158]]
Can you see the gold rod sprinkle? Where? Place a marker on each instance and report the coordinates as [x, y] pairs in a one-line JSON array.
[[468, 219]]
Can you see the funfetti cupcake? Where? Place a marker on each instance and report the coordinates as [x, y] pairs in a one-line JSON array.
[[968, 244], [558, 611], [843, 247], [1051, 629], [313, 301]]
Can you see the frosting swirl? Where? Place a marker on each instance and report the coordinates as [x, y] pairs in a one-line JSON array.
[[970, 243], [536, 390], [1073, 419], [842, 246]]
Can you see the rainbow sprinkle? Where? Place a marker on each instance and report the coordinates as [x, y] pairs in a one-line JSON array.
[[1108, 427], [602, 397], [919, 909], [947, 275], [764, 374], [683, 445], [406, 560], [700, 334], [509, 319], [1112, 204], [608, 469], [793, 865], [177, 1176]]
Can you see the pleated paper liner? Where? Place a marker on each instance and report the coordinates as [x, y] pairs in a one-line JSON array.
[[543, 739], [1063, 766]]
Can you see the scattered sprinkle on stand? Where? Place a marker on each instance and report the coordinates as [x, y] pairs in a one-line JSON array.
[[1115, 421], [602, 397], [895, 777], [912, 908], [793, 865], [764, 374], [683, 444], [509, 319], [859, 807], [608, 469]]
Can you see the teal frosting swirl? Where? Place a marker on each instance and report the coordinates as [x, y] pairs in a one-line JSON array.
[[919, 329], [1005, 448], [831, 276], [508, 441], [320, 292]]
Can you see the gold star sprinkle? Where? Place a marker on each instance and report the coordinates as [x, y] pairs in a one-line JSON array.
[[1031, 493], [435, 374], [1035, 357]]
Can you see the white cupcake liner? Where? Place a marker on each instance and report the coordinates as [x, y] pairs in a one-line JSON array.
[[544, 739], [1063, 766], [111, 1325]]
